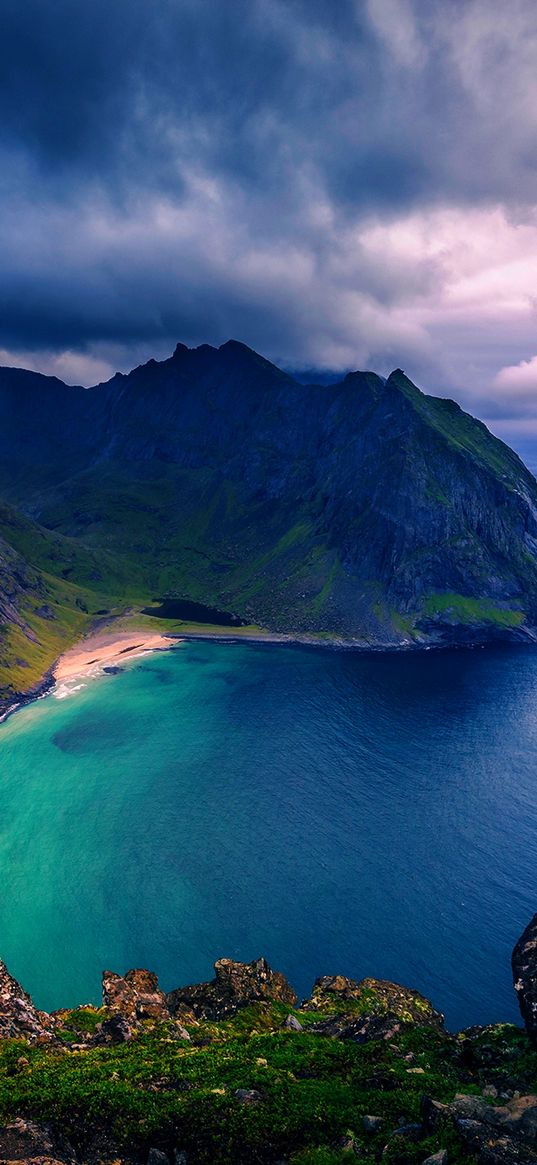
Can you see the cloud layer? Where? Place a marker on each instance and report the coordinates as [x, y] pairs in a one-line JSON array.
[[338, 185]]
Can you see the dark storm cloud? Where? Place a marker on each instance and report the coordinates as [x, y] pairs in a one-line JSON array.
[[319, 179]]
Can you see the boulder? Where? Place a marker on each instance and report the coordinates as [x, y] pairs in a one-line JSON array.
[[524, 963], [491, 1148], [18, 1015], [157, 1157], [115, 1030], [248, 1095], [518, 1117], [292, 1024], [433, 1113], [234, 986], [494, 1134], [372, 1124]]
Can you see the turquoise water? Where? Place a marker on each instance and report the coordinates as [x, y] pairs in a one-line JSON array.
[[370, 815]]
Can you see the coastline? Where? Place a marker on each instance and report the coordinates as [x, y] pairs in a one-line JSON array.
[[90, 656], [114, 641], [125, 637]]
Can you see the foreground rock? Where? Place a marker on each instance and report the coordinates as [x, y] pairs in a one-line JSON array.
[[524, 963], [24, 1140], [18, 1015], [362, 1069], [493, 1135], [234, 986]]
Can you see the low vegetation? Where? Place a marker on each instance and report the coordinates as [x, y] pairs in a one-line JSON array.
[[309, 1093]]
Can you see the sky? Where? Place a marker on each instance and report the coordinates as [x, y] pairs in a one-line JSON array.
[[337, 183]]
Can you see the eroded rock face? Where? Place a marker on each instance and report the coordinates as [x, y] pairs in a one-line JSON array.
[[524, 963], [372, 997], [18, 1015], [235, 985]]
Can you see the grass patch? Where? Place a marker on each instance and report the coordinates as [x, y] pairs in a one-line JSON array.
[[468, 611]]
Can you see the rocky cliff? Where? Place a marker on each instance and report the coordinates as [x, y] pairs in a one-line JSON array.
[[235, 1071], [362, 510]]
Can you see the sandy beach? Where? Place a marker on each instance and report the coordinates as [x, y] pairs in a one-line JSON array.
[[107, 648]]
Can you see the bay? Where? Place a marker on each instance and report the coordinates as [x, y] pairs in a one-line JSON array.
[[336, 812]]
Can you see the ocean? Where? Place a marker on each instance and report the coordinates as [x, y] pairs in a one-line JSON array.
[[337, 812]]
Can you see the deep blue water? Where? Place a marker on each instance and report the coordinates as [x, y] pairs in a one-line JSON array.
[[337, 812]]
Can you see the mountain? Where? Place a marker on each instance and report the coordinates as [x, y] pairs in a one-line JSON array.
[[362, 510]]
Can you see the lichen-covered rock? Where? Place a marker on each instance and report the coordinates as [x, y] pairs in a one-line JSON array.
[[524, 963], [336, 993], [518, 1117], [372, 1124], [493, 1134], [135, 995], [234, 986], [248, 1095], [292, 1024], [157, 1157], [18, 1015]]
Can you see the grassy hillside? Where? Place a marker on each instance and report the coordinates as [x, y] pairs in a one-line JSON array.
[[58, 587]]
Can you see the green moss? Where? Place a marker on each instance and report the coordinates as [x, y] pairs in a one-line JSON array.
[[326, 590], [80, 1021], [467, 611]]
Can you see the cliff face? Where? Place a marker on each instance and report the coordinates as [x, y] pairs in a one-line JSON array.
[[235, 1072], [364, 509]]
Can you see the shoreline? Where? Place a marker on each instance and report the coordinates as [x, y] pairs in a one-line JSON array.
[[108, 647], [105, 648], [100, 649]]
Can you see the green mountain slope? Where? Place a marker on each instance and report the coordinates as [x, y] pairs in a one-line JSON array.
[[363, 510]]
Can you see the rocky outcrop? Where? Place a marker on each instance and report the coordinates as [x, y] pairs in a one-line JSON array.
[[136, 995], [235, 985], [373, 1009], [134, 1001], [407, 1098], [18, 1015], [524, 963], [371, 997]]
